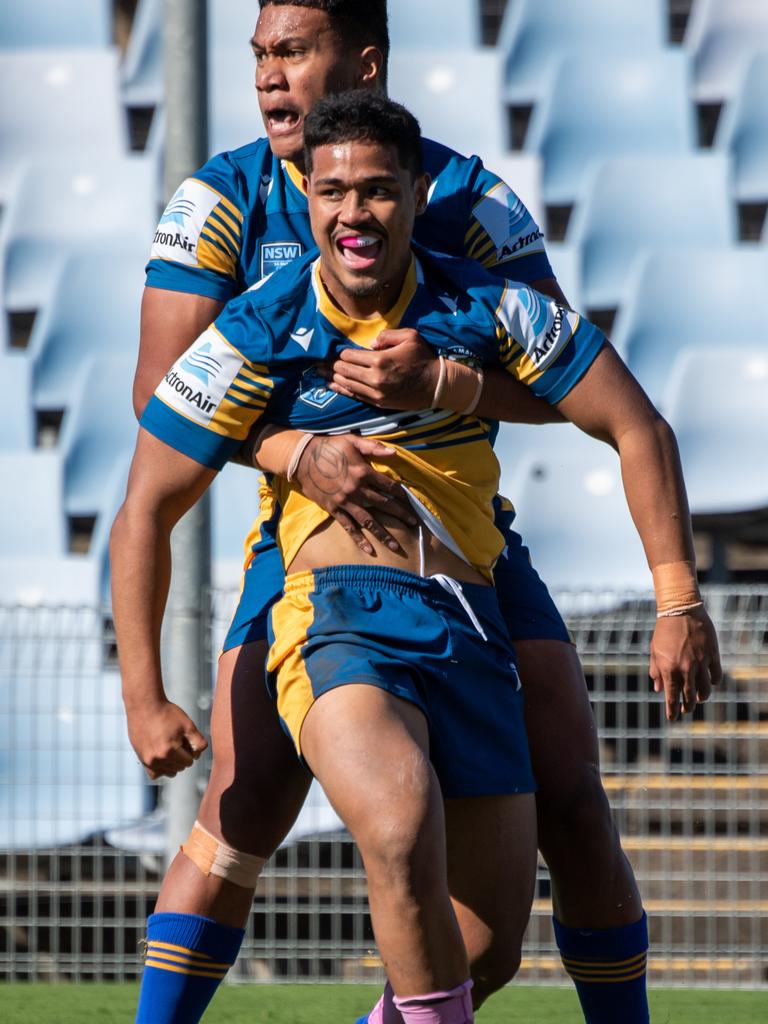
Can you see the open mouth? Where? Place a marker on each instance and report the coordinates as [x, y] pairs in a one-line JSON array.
[[359, 251], [282, 121]]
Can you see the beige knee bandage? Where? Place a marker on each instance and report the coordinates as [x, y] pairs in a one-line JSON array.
[[216, 858]]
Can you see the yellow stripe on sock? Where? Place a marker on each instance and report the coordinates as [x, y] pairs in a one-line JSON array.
[[178, 959], [156, 944], [161, 966], [593, 980], [605, 964]]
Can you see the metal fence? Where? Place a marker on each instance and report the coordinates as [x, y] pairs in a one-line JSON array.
[[81, 833]]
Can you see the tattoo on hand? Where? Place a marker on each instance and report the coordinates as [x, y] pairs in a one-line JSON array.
[[327, 467]]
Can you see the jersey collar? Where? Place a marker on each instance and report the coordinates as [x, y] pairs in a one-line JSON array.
[[295, 176], [365, 332]]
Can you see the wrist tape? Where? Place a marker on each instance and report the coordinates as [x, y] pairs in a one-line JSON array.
[[677, 591], [458, 387]]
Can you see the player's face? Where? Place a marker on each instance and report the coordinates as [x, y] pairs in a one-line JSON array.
[[362, 205], [299, 60]]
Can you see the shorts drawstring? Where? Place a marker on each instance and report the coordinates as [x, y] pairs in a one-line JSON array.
[[454, 587]]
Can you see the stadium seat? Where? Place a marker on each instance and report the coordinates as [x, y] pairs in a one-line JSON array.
[[691, 298], [234, 506], [141, 72], [742, 133], [616, 106], [434, 24], [635, 202], [567, 267], [67, 770], [571, 510], [522, 172], [99, 433], [717, 403], [38, 23], [234, 118], [722, 38], [93, 310], [67, 205], [67, 103], [535, 34], [17, 432], [455, 95]]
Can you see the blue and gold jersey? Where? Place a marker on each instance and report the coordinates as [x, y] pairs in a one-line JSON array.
[[244, 215], [259, 359]]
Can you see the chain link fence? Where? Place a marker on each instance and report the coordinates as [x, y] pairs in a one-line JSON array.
[[82, 833]]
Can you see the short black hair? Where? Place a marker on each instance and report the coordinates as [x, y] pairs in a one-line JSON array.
[[364, 116], [361, 22]]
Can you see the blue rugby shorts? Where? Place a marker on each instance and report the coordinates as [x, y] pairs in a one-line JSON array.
[[415, 638], [526, 605]]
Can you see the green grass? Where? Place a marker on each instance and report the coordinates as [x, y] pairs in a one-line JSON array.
[[342, 1004]]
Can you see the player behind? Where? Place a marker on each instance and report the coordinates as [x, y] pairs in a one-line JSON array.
[[266, 344], [239, 217]]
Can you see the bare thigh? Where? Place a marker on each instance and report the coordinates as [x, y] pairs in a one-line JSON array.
[[257, 784]]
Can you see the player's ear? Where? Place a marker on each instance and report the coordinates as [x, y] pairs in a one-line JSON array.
[[371, 67], [421, 192]]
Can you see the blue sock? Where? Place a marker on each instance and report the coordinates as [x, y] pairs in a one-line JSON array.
[[607, 966], [187, 959]]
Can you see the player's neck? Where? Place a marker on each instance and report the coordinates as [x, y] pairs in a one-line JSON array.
[[365, 307]]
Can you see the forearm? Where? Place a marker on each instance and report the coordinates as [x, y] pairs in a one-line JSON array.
[[140, 553], [505, 399], [655, 492]]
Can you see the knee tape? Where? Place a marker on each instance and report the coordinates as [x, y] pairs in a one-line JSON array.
[[213, 857]]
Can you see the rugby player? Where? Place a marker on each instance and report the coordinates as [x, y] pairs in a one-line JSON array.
[[237, 219]]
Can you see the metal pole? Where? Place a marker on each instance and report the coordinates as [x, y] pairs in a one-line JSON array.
[[185, 663]]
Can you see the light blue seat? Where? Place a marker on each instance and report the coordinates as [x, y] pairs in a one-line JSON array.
[[455, 94], [434, 24], [722, 37], [717, 403], [67, 102], [566, 265], [615, 106], [691, 298], [31, 519], [743, 132], [573, 517], [522, 172], [94, 310], [98, 434], [71, 204], [141, 72], [67, 770], [17, 426], [535, 34], [37, 23], [635, 202]]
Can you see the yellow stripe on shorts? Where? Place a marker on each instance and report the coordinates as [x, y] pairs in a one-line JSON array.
[[291, 618]]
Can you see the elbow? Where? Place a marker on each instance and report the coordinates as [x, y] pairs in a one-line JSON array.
[[141, 395]]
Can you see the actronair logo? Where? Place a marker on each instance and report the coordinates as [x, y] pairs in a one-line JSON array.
[[174, 240], [202, 364], [541, 351], [194, 397], [178, 233], [196, 384], [522, 243]]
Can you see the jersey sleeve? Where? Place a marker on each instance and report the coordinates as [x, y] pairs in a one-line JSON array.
[[502, 235], [544, 345], [198, 242], [213, 394]]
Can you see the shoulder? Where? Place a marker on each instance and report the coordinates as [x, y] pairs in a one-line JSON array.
[[234, 173], [272, 306]]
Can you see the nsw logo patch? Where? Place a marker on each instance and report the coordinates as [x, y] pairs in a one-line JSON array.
[[274, 255]]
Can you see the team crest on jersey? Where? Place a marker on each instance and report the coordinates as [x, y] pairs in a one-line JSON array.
[[278, 254], [314, 391], [196, 384]]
